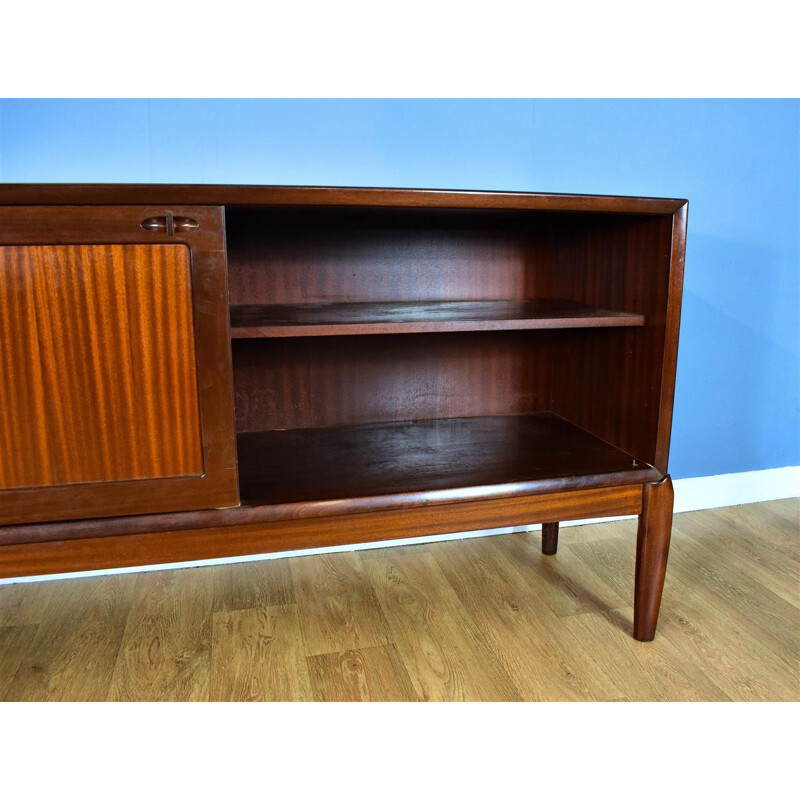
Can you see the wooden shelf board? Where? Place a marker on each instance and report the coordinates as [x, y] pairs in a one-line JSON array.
[[343, 319], [401, 464]]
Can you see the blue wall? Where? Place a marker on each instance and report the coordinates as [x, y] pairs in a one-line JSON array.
[[738, 161]]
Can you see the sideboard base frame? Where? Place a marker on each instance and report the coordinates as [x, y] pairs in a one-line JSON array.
[[652, 502], [230, 541]]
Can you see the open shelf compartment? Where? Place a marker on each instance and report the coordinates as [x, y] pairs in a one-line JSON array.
[[398, 464], [342, 319]]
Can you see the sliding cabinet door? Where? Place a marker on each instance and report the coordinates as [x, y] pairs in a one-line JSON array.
[[115, 380]]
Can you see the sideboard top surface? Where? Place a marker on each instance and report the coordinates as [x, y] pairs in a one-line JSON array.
[[125, 194]]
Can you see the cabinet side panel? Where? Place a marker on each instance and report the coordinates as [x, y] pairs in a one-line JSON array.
[[673, 329], [98, 377], [610, 382]]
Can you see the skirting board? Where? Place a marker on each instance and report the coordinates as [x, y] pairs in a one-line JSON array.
[[691, 494]]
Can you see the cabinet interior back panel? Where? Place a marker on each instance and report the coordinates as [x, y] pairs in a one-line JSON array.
[[344, 380], [282, 256], [98, 379]]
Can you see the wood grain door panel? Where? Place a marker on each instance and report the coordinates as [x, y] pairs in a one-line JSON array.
[[97, 361], [108, 403]]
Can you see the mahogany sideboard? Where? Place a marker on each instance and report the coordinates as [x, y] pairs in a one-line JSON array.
[[197, 372]]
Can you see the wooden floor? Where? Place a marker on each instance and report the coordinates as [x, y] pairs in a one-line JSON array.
[[481, 619]]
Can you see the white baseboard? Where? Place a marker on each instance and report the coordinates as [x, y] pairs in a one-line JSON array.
[[736, 489], [691, 494]]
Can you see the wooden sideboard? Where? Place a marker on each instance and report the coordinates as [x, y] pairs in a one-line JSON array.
[[197, 372]]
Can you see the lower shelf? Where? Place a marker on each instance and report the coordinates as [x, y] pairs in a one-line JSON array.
[[316, 487], [401, 464]]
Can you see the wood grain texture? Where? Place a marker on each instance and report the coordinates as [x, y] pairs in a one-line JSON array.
[[768, 564], [510, 609], [345, 255], [397, 462], [97, 365], [617, 382], [73, 650], [369, 674], [125, 359], [722, 580], [290, 246], [736, 629], [290, 531], [610, 382], [14, 641], [216, 195], [258, 655], [708, 615], [19, 607], [715, 645], [572, 588], [347, 319], [673, 322], [557, 627], [652, 551], [642, 672], [338, 608], [253, 585], [624, 500], [322, 382], [165, 651], [446, 656]]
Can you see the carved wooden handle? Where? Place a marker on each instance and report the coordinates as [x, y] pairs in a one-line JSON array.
[[169, 224]]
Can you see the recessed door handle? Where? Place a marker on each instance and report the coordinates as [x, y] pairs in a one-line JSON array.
[[169, 224]]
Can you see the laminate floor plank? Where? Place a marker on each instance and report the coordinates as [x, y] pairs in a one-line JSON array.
[[25, 603], [252, 584], [566, 585], [761, 532], [614, 565], [734, 550], [75, 648], [508, 606], [763, 613], [15, 641], [166, 650], [446, 656], [749, 642], [644, 671], [788, 510], [772, 525], [701, 573], [717, 623], [337, 604], [369, 674], [257, 654], [737, 663], [481, 618], [775, 521]]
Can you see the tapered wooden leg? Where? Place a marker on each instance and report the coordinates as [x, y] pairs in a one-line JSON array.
[[549, 538], [652, 549]]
